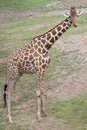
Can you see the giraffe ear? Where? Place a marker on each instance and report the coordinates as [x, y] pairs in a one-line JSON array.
[[80, 13], [66, 14]]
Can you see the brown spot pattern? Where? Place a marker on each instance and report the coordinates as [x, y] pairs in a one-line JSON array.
[[47, 46], [56, 37], [32, 50], [58, 28], [64, 24], [36, 54], [60, 33], [63, 30], [54, 32], [52, 40], [48, 36], [30, 57]]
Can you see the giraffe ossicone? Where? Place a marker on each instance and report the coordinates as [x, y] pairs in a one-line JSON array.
[[34, 59]]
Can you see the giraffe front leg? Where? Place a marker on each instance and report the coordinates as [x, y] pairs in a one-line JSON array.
[[43, 96], [38, 94]]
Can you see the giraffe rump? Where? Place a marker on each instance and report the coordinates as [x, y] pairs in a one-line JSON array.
[[4, 95]]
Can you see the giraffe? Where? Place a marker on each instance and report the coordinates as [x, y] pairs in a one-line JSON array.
[[33, 58]]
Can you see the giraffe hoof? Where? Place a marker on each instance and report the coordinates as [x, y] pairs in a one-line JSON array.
[[39, 120], [10, 120], [44, 115]]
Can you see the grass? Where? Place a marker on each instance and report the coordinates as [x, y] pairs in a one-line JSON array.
[[73, 111], [63, 60], [27, 5], [21, 5], [22, 32], [26, 25], [2, 67], [4, 53], [9, 126]]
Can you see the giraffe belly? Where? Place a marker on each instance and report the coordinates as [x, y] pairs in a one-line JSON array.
[[35, 65], [26, 67], [29, 69]]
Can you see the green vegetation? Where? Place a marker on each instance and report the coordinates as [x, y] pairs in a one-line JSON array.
[[61, 61], [73, 111], [2, 68], [8, 126], [4, 53], [22, 5], [26, 5]]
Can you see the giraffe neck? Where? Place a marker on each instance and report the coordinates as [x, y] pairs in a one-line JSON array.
[[50, 37]]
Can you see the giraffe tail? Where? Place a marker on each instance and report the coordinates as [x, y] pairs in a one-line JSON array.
[[4, 95]]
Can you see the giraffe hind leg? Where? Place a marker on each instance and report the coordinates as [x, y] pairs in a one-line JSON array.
[[8, 102], [40, 104], [38, 94], [7, 97], [5, 93]]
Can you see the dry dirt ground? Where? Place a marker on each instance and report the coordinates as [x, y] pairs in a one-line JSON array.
[[72, 86]]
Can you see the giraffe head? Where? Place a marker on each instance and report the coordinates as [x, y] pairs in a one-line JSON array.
[[73, 16]]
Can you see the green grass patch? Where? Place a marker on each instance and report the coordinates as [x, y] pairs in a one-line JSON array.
[[25, 5], [8, 126], [2, 67], [22, 5], [68, 61], [4, 53], [73, 111]]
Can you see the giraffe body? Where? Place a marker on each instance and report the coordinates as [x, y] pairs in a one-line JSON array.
[[34, 58], [34, 55], [27, 60]]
